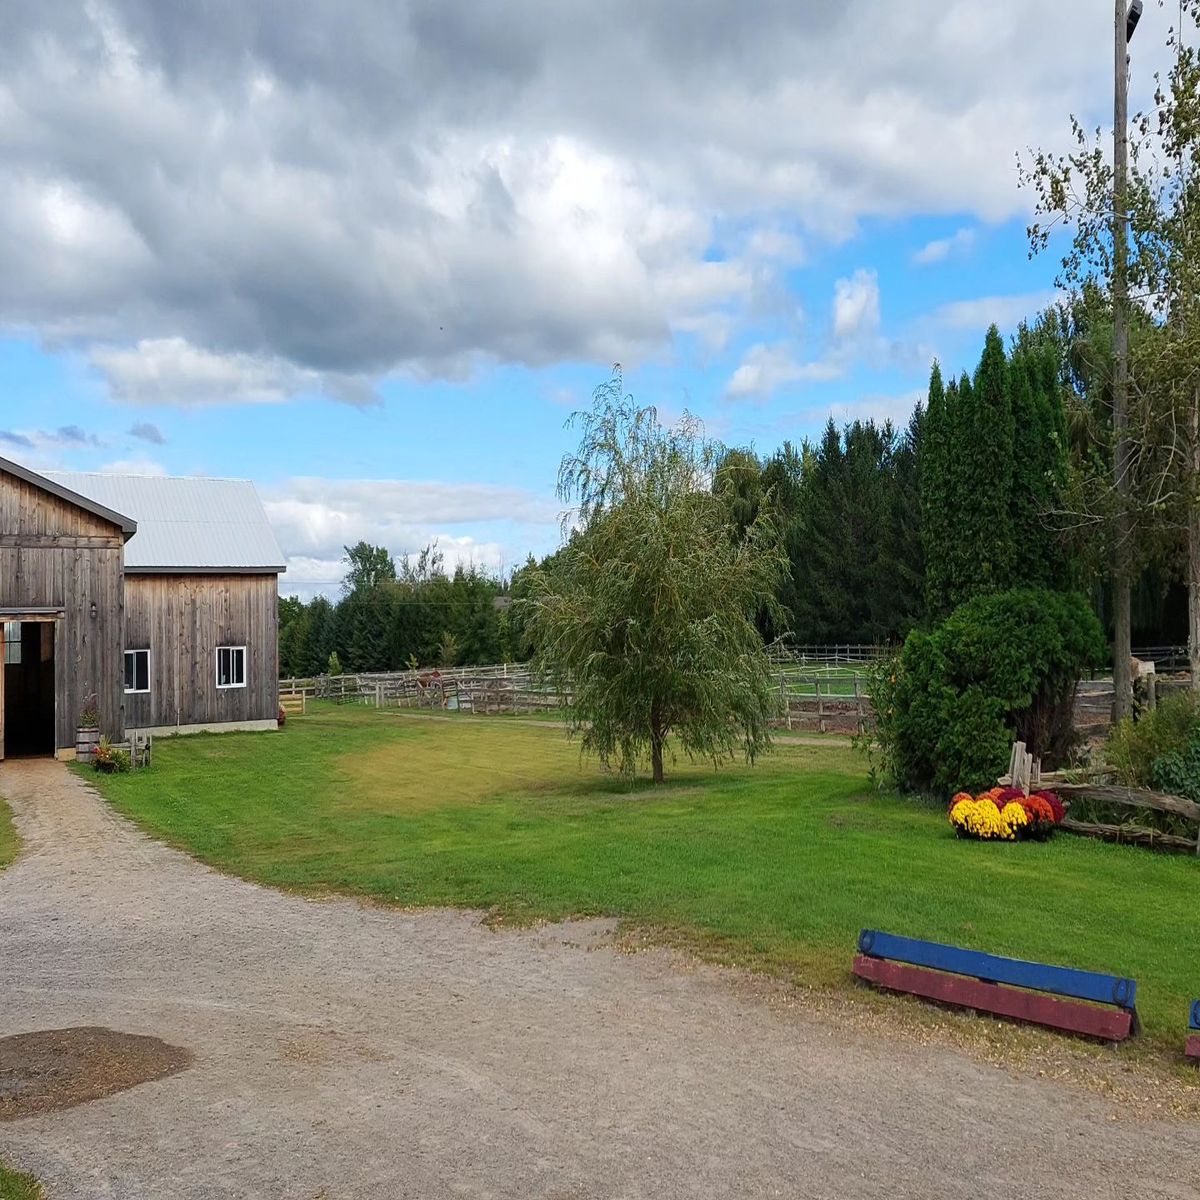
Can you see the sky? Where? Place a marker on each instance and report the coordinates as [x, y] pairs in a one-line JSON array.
[[372, 256]]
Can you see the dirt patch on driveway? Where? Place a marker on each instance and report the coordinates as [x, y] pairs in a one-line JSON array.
[[58, 1068], [350, 1050]]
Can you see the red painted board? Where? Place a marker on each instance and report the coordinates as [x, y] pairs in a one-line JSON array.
[[1110, 1025], [1193, 1047]]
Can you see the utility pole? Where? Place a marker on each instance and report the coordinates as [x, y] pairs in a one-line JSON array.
[[1126, 21]]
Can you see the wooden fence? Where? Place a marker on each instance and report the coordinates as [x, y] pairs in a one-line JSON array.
[[846, 653], [825, 698], [816, 702]]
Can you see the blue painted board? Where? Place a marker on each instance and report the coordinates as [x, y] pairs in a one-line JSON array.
[[1060, 981], [1195, 1021]]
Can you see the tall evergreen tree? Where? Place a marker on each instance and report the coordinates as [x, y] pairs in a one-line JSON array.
[[322, 635], [905, 551], [988, 453], [935, 491]]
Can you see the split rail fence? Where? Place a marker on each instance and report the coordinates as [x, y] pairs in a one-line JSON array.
[[832, 701], [822, 689]]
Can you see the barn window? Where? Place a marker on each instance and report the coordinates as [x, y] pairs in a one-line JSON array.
[[231, 666], [12, 642], [137, 670]]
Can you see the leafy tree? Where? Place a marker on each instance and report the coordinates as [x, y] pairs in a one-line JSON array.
[[740, 476], [1138, 231], [649, 614], [367, 567]]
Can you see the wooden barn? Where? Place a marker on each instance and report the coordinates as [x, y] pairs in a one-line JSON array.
[[156, 595]]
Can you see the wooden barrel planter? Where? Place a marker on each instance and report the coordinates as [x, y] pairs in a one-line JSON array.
[[86, 741]]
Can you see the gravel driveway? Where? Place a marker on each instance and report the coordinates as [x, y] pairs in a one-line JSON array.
[[348, 1051]]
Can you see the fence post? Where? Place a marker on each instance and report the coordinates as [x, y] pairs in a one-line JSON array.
[[820, 708], [858, 709]]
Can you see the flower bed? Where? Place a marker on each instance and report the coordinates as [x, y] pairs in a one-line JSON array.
[[1005, 814]]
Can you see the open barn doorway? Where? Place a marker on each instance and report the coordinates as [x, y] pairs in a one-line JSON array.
[[27, 689]]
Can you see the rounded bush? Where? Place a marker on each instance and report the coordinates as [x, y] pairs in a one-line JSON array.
[[1000, 668]]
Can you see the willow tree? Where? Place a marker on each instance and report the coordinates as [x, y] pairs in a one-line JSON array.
[[648, 614]]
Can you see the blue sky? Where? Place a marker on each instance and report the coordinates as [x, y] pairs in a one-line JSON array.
[[226, 256]]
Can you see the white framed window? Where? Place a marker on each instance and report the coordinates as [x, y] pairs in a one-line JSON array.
[[231, 666], [137, 670]]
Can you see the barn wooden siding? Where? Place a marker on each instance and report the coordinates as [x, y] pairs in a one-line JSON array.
[[54, 555], [183, 619]]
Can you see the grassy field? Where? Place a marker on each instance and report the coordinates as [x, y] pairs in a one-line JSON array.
[[8, 839], [775, 866], [16, 1186]]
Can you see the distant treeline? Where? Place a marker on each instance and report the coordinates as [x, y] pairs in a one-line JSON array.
[[885, 529], [395, 615]]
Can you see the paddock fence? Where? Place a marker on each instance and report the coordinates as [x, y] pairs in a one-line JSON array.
[[828, 699], [822, 689]]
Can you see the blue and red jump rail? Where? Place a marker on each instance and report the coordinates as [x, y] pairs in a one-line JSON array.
[[1082, 1002], [1193, 1042]]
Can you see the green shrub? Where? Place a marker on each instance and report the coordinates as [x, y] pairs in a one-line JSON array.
[[1001, 667], [1178, 773], [1134, 748]]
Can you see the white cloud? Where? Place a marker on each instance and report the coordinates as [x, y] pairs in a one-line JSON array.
[[941, 249], [765, 369], [170, 371], [137, 465], [1005, 311], [879, 408], [220, 203], [854, 338], [315, 518], [856, 305]]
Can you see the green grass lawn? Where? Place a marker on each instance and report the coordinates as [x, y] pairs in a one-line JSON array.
[[775, 866], [9, 842], [16, 1186]]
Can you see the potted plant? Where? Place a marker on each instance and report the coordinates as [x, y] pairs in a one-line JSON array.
[[87, 735], [110, 759]]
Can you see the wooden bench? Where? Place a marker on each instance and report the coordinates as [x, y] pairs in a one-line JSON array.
[[292, 703], [1193, 1043], [1004, 987]]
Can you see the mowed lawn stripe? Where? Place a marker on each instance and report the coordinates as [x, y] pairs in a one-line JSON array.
[[776, 866]]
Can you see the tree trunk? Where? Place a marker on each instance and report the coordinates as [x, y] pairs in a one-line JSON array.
[[656, 758], [1122, 617], [1122, 638], [1193, 526], [657, 737]]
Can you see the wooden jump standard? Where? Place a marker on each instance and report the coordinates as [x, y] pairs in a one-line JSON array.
[[1193, 1042], [1006, 987]]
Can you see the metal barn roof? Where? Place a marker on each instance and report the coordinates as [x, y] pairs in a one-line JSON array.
[[185, 524]]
